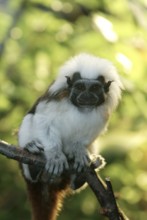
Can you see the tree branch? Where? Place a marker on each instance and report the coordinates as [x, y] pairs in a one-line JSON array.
[[20, 155], [103, 191], [104, 194]]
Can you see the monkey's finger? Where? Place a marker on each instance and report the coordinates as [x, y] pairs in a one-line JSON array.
[[57, 169], [86, 160], [60, 168], [66, 166], [76, 165], [50, 168], [40, 149], [79, 169]]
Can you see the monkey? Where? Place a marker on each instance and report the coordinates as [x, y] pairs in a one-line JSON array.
[[63, 123]]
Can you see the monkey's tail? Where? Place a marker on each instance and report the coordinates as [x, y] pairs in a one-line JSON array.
[[46, 199]]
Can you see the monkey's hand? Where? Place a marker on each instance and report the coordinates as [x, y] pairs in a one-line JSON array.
[[56, 162], [80, 157], [34, 146]]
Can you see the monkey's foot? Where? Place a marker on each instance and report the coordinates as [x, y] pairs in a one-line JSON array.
[[56, 162], [34, 146], [81, 159], [81, 162]]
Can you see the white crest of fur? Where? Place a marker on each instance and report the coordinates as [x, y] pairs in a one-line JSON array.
[[90, 67]]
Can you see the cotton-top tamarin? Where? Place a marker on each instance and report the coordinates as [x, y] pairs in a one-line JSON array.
[[70, 115]]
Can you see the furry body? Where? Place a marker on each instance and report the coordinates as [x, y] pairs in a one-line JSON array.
[[59, 129]]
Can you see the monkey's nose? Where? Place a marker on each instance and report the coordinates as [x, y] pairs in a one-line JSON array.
[[87, 100]]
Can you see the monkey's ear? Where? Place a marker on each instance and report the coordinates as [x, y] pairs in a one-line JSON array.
[[101, 79], [107, 85], [76, 76], [69, 82]]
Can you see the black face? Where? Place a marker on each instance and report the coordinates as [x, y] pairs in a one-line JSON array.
[[87, 93]]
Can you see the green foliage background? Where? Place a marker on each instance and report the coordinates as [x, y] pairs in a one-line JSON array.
[[36, 37]]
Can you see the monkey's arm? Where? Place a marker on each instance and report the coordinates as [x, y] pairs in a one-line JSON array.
[[37, 136]]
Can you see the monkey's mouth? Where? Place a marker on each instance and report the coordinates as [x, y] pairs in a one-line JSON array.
[[88, 104], [93, 103]]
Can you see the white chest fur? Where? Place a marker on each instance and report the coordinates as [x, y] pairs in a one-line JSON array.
[[71, 124]]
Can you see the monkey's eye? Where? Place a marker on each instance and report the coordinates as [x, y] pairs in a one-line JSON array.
[[80, 86]]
